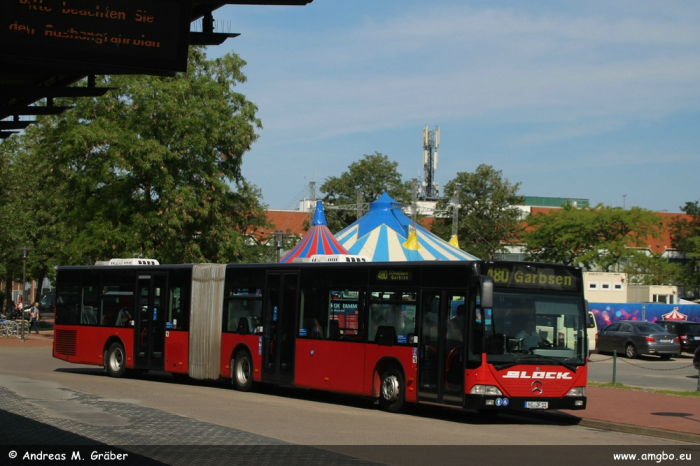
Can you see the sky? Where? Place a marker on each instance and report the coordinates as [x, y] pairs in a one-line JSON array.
[[597, 100]]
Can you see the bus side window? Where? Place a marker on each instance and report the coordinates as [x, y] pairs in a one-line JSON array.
[[242, 311], [344, 320], [313, 317]]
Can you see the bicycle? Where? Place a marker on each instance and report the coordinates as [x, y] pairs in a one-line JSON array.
[[13, 328], [8, 328]]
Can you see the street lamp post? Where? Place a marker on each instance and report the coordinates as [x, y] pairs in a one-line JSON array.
[[279, 234], [24, 250]]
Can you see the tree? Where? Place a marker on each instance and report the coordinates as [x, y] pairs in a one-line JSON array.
[[487, 219], [373, 175], [151, 168], [643, 269], [685, 237], [594, 238]]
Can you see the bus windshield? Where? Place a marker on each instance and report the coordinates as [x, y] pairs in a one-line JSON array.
[[534, 329]]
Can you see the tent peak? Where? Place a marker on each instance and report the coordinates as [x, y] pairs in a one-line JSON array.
[[319, 215], [385, 202]]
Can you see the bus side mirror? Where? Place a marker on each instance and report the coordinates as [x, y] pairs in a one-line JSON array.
[[486, 292]]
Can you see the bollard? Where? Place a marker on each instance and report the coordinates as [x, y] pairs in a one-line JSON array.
[[699, 378], [614, 367]]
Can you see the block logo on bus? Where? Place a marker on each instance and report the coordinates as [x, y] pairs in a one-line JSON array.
[[538, 375]]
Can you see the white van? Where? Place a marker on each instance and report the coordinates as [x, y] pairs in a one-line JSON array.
[[591, 331]]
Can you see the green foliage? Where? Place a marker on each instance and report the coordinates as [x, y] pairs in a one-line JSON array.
[[151, 168], [372, 175], [653, 270], [594, 238], [685, 237], [15, 217], [487, 219]]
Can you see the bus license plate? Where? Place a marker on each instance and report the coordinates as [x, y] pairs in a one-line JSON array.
[[536, 405]]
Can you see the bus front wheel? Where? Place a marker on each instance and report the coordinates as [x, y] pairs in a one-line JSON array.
[[392, 390], [242, 372], [116, 360]]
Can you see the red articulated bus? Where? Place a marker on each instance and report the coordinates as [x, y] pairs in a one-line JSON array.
[[472, 335]]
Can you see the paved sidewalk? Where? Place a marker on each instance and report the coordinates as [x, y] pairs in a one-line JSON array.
[[630, 411], [641, 412], [44, 338]]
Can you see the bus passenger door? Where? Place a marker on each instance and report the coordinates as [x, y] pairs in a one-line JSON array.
[[149, 326], [441, 349], [278, 332]]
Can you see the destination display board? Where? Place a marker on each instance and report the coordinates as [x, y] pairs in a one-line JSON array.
[[97, 36], [536, 277]]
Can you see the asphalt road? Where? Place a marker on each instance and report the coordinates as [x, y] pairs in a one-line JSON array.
[[676, 374], [56, 403]]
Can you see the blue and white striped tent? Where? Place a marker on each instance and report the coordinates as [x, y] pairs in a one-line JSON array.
[[383, 235]]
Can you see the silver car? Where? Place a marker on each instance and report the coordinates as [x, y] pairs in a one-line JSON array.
[[637, 337]]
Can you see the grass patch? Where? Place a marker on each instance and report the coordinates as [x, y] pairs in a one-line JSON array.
[[650, 390]]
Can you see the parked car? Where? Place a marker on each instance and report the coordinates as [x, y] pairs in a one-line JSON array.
[[696, 358], [634, 338], [47, 303], [688, 333]]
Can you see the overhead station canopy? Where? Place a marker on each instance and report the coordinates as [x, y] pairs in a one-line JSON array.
[[48, 45]]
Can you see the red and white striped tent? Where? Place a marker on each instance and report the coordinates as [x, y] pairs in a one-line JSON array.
[[318, 240], [674, 315]]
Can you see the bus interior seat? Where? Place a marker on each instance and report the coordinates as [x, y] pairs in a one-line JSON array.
[[334, 330], [514, 345], [386, 335], [88, 316], [243, 327]]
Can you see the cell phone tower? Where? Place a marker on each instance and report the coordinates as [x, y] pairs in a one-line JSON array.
[[431, 141]]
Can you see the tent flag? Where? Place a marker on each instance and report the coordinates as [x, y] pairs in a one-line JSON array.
[[454, 241], [318, 240], [387, 234], [412, 241]]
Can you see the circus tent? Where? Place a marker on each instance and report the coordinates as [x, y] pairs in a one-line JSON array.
[[674, 315], [318, 240], [386, 234]]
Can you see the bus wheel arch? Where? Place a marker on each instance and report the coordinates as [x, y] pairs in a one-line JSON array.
[[390, 385], [115, 358], [242, 369]]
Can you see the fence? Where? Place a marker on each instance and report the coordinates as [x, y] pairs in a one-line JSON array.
[[607, 313]]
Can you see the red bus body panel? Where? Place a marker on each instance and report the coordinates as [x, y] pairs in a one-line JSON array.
[[89, 343], [176, 351], [331, 365], [516, 381]]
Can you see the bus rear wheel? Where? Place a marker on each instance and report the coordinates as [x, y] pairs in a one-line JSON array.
[[115, 362], [242, 372], [392, 390]]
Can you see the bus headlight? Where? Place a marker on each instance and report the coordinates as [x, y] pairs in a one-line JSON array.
[[485, 390], [577, 391]]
